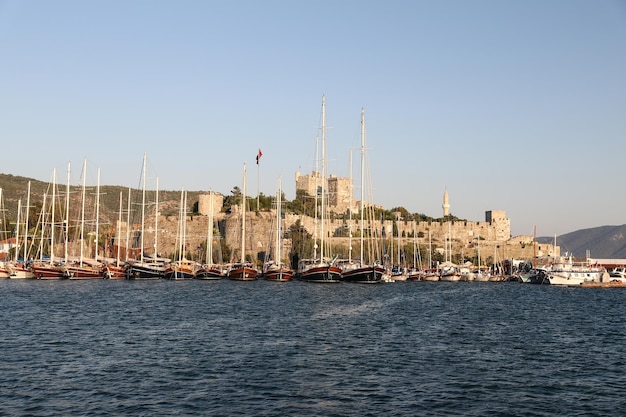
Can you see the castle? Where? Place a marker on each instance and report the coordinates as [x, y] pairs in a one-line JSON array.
[[493, 235]]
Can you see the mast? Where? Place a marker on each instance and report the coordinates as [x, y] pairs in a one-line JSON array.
[[82, 213], [97, 213], [350, 211], [143, 205], [323, 178], [278, 223], [317, 175], [26, 222], [127, 226], [52, 221], [17, 230], [67, 213], [243, 218], [362, 180], [156, 221], [119, 232], [209, 245]]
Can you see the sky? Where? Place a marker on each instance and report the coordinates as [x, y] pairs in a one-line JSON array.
[[509, 105]]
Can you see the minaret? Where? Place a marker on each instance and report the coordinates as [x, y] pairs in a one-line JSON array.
[[446, 204]]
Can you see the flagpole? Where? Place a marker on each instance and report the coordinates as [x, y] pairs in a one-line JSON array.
[[258, 177]]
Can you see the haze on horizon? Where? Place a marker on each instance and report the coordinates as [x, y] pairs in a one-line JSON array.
[[515, 106]]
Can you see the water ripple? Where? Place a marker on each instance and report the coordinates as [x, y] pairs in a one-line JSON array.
[[229, 348]]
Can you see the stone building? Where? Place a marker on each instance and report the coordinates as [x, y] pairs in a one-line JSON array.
[[205, 201], [338, 189]]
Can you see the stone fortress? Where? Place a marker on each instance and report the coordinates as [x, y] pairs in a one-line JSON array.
[[491, 236]]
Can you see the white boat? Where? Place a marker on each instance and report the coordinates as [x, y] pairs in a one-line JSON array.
[[565, 271], [618, 274]]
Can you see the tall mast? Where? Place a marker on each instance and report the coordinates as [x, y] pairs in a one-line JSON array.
[[119, 233], [17, 231], [317, 175], [67, 213], [323, 177], [350, 213], [82, 212], [26, 221], [156, 220], [97, 213], [209, 243], [278, 223], [52, 221], [143, 205], [127, 226], [362, 178], [243, 218]]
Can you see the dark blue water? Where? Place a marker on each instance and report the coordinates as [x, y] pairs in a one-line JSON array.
[[101, 348]]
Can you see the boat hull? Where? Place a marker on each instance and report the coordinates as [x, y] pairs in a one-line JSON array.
[[278, 275], [243, 274], [208, 274], [137, 272], [321, 274], [364, 275], [49, 272]]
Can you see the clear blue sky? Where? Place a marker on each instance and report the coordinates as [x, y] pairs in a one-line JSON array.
[[510, 105]]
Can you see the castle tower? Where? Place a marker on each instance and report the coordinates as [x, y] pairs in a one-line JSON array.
[[446, 204]]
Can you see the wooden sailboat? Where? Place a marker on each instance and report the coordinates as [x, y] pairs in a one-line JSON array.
[[83, 268], [243, 270], [115, 269], [320, 269], [18, 269], [209, 270], [4, 238], [362, 272], [50, 268], [182, 268], [147, 267], [277, 270]]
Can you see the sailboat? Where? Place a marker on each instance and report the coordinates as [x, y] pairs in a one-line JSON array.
[[115, 269], [147, 267], [182, 268], [277, 270], [4, 272], [209, 271], [83, 268], [320, 269], [430, 274], [50, 268], [243, 270], [362, 272], [17, 269]]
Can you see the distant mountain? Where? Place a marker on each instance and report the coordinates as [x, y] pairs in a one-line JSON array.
[[606, 242]]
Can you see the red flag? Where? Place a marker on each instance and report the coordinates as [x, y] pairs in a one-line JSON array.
[[258, 156]]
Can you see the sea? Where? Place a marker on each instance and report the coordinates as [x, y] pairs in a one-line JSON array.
[[260, 348]]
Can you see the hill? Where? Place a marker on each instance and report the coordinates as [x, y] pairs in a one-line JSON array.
[[14, 188], [601, 242]]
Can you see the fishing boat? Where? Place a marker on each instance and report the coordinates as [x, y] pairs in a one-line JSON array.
[[243, 270], [320, 269]]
